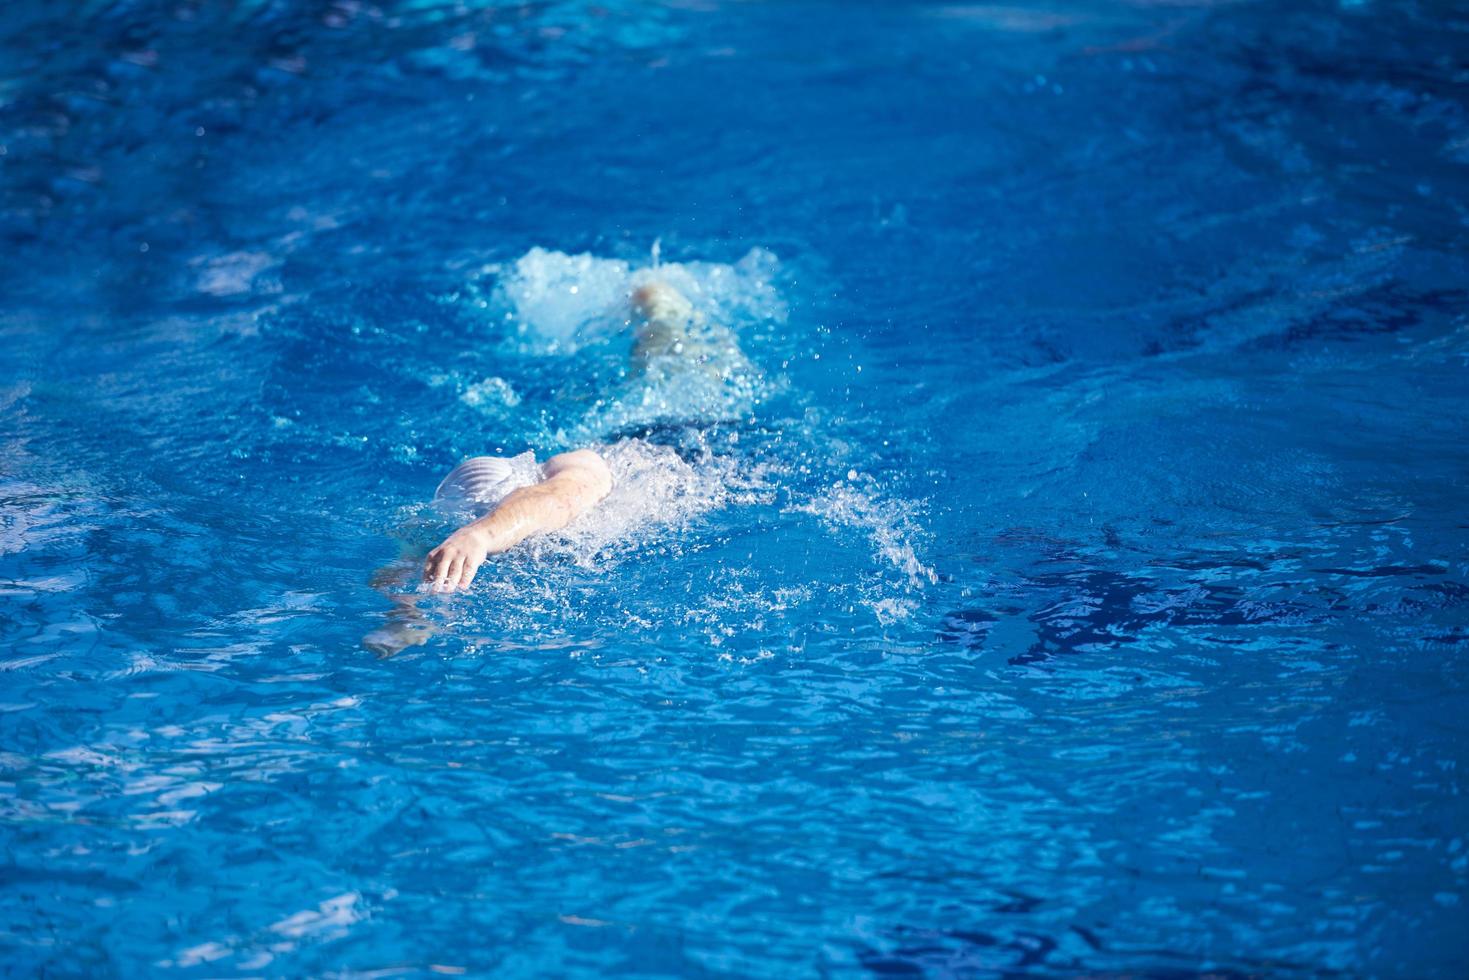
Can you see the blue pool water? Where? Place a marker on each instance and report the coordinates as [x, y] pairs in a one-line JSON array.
[[1077, 581]]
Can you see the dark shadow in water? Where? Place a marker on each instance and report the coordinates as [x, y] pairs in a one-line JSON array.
[[973, 953], [1091, 609], [961, 952]]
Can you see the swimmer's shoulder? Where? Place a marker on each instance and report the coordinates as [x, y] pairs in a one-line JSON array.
[[585, 464]]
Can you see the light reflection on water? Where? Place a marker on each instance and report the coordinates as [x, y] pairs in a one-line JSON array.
[[1081, 587]]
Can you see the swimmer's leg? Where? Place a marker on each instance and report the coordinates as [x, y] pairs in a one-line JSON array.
[[673, 335], [666, 316]]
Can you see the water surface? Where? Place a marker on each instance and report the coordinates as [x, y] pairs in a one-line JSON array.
[[1080, 583]]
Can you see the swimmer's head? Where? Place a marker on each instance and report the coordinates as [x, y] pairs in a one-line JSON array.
[[484, 481]]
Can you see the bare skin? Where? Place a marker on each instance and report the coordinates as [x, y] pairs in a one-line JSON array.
[[574, 482]]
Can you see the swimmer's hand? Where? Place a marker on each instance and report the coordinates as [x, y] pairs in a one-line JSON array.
[[573, 482], [452, 564]]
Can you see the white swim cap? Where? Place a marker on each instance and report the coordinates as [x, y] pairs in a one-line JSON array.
[[487, 480]]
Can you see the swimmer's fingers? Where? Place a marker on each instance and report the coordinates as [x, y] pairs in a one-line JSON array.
[[452, 565], [449, 576], [471, 567], [436, 569]]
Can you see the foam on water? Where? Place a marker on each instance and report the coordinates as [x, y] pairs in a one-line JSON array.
[[889, 524], [654, 492], [490, 391], [558, 303]]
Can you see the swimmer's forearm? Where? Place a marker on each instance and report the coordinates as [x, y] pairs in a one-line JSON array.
[[574, 482], [547, 506]]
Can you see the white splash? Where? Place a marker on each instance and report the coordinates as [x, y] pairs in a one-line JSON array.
[[491, 392], [555, 299], [888, 524], [560, 302], [654, 491]]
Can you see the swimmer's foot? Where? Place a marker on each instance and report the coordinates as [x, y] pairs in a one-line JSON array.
[[665, 318], [662, 305]]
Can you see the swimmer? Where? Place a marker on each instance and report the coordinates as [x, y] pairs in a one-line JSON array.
[[523, 499]]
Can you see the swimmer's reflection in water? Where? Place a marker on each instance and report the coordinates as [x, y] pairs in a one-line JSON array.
[[519, 499]]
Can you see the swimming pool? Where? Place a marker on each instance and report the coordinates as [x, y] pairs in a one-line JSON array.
[[1080, 583]]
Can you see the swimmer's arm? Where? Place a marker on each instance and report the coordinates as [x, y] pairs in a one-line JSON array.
[[574, 482]]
